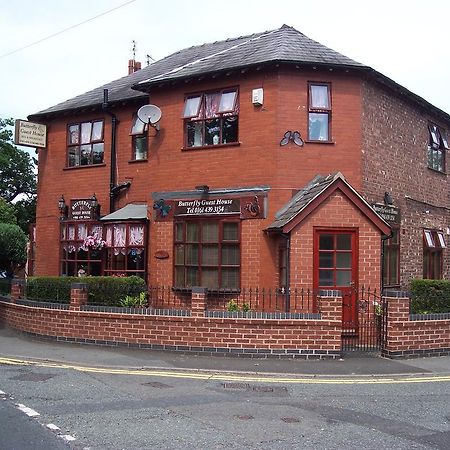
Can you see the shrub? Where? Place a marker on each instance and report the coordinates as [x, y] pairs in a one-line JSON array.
[[131, 301], [13, 247], [430, 296], [105, 291]]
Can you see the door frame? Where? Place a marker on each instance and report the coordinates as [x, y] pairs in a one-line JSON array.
[[352, 289]]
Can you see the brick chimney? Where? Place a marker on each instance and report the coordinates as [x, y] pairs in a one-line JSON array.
[[133, 66]]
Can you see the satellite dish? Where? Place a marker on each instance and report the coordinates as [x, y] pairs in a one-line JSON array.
[[150, 114]]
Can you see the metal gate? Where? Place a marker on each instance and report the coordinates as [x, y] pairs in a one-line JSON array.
[[369, 332]]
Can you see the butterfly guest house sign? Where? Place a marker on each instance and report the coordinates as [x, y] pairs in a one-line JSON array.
[[245, 207]]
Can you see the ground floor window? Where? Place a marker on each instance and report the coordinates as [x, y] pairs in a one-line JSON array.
[[81, 249], [207, 253], [282, 265], [433, 245], [95, 249], [125, 249], [391, 260]]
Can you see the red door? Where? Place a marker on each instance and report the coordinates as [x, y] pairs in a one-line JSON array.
[[335, 267]]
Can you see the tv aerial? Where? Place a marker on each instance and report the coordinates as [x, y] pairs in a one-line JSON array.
[[150, 114]]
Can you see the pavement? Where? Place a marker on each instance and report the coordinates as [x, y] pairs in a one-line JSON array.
[[14, 344]]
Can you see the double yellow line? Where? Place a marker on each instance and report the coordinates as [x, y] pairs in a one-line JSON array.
[[237, 377]]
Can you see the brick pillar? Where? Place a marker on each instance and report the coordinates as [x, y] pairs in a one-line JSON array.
[[330, 305], [198, 301], [17, 289], [78, 295], [397, 304]]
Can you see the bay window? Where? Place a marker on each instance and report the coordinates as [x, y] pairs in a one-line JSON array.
[[79, 254], [85, 144], [125, 249], [211, 118], [207, 253]]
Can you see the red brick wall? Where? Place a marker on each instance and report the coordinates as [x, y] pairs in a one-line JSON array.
[[336, 212], [407, 337], [394, 159], [306, 337], [258, 160]]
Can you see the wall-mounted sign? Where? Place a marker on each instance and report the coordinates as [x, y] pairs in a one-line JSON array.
[[389, 213], [30, 134], [248, 207], [206, 207], [82, 209]]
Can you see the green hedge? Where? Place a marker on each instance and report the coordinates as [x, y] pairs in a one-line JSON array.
[[107, 291], [430, 296]]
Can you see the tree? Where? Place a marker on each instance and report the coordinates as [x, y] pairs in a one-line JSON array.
[[8, 213], [17, 176], [13, 247]]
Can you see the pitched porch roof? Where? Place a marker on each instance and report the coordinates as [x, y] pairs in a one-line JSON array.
[[132, 211], [314, 194]]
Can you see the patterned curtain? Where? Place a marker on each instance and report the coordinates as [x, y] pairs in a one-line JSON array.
[[109, 232], [96, 231], [119, 239], [212, 102], [82, 231], [136, 236]]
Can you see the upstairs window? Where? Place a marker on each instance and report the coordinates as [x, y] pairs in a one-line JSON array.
[[85, 146], [437, 145], [319, 112], [139, 139], [211, 118], [433, 245]]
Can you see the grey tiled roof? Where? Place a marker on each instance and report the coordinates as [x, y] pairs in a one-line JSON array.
[[302, 199], [285, 44], [282, 45]]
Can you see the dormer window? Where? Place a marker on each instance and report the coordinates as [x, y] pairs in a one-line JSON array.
[[211, 118], [319, 112], [437, 145]]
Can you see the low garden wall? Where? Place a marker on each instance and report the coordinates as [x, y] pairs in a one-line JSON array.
[[281, 335], [414, 335], [250, 337]]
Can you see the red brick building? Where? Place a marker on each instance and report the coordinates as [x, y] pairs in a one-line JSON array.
[[276, 162]]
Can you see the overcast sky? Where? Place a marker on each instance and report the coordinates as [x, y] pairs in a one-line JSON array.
[[407, 41]]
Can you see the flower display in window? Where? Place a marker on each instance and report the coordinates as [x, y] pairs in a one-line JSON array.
[[93, 242]]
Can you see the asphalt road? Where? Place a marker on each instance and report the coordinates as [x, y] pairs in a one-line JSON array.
[[138, 410]]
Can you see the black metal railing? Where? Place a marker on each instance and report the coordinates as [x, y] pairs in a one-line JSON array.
[[364, 326]]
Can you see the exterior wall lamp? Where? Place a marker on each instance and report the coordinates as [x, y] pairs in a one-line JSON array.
[[204, 188], [62, 207], [388, 199], [95, 206]]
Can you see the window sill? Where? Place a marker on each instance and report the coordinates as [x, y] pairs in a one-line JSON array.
[[208, 147], [439, 172], [136, 161], [307, 141], [223, 291], [84, 167]]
